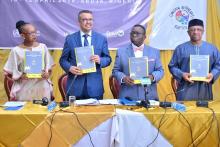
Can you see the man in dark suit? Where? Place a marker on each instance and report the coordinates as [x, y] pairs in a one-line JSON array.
[[137, 48], [78, 84]]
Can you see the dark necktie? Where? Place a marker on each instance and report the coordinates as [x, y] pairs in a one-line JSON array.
[[86, 43]]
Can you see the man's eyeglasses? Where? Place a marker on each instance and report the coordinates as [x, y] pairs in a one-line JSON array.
[[136, 33], [196, 29], [87, 20]]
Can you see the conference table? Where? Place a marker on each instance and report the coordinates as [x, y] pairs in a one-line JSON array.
[[110, 126]]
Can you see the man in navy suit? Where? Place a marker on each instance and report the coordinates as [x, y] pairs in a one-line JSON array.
[[137, 48], [85, 85]]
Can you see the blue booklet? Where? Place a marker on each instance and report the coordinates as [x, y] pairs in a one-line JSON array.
[[33, 64], [14, 105], [127, 102], [13, 108], [138, 69], [83, 55], [199, 67]]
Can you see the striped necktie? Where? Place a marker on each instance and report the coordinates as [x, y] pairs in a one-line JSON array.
[[86, 42]]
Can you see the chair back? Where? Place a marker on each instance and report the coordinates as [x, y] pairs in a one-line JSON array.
[[174, 84], [8, 82], [62, 85], [114, 86]]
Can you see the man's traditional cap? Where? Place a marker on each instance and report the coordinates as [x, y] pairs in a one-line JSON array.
[[195, 22]]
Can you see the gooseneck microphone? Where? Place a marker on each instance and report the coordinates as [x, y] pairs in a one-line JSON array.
[[44, 101], [71, 84], [165, 104], [65, 103]]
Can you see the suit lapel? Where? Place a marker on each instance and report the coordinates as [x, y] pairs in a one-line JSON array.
[[93, 41], [130, 51], [145, 52], [78, 39]]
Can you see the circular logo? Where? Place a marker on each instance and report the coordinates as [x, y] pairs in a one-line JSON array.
[[181, 16]]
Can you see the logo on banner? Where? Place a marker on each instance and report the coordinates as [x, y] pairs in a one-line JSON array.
[[119, 33], [181, 16], [16, 33]]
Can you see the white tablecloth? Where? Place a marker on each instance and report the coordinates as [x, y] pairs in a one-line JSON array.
[[125, 129]]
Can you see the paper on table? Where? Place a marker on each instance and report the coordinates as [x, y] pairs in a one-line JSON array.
[[109, 102], [154, 103], [87, 102], [14, 104]]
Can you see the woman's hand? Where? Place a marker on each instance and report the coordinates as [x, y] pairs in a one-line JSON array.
[[24, 76], [45, 74]]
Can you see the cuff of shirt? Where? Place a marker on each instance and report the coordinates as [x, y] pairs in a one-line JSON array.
[[122, 82], [154, 80]]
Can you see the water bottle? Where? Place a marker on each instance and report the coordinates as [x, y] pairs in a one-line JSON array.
[[52, 106], [178, 107]]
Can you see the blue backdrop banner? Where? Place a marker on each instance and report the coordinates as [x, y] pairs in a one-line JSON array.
[[55, 19]]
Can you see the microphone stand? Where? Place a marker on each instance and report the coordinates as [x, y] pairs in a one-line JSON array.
[[145, 103], [65, 103]]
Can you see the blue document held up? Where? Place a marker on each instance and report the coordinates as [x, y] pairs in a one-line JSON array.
[[33, 64], [83, 55], [138, 68], [199, 67]]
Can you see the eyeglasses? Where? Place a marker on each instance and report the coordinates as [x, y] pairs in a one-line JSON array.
[[31, 33], [136, 33], [87, 20], [196, 29]]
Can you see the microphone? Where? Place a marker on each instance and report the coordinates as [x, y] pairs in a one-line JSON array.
[[66, 99], [145, 82], [174, 105], [43, 102], [202, 104], [166, 104], [65, 103], [145, 103]]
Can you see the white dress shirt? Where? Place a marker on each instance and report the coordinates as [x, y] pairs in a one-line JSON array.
[[138, 53]]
